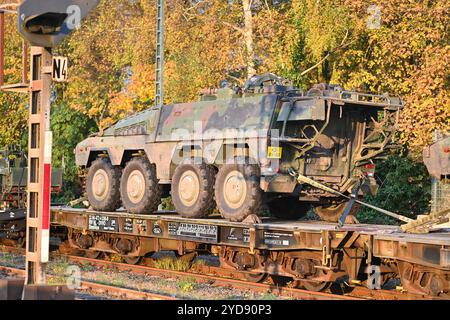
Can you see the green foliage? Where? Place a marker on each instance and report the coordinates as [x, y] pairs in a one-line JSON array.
[[69, 128], [187, 285], [170, 263], [167, 204], [405, 188], [13, 106]]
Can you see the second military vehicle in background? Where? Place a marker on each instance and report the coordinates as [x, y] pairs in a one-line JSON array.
[[13, 193]]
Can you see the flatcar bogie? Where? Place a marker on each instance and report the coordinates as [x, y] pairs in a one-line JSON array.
[[313, 255]]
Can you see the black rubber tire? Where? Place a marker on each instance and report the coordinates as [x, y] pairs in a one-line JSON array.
[[288, 208], [253, 200], [332, 213], [204, 204], [112, 201], [153, 191]]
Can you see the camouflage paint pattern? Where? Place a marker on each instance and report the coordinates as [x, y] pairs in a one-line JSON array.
[[328, 134], [14, 175]]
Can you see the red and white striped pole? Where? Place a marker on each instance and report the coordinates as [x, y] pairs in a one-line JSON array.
[[46, 192]]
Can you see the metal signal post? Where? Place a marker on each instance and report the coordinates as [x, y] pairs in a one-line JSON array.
[[39, 164]]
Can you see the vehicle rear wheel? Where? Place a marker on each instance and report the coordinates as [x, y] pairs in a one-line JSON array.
[[193, 189], [332, 213], [237, 191], [288, 208], [103, 185], [139, 188]]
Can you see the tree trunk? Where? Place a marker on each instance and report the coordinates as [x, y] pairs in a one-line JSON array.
[[248, 37]]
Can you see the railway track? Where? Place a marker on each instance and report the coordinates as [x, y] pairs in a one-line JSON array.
[[103, 289], [221, 277], [213, 276]]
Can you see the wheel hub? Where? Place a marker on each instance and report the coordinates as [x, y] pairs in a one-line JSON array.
[[100, 184], [136, 186], [235, 188], [189, 188]]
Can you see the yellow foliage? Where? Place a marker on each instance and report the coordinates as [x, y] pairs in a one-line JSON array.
[[112, 56]]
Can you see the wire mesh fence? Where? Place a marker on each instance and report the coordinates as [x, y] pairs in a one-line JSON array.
[[440, 194]]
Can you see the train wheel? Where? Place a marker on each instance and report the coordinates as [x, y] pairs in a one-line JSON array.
[[288, 208], [139, 188], [93, 254], [103, 186], [309, 266], [255, 277], [237, 191], [132, 260], [315, 286], [193, 189], [332, 213]]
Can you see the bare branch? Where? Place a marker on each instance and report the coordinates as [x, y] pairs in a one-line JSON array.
[[240, 81], [339, 47], [195, 5], [316, 65]]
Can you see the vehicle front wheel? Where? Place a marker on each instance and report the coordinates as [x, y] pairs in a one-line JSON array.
[[237, 191], [103, 185], [139, 188]]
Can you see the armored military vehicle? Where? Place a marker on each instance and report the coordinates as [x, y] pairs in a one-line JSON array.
[[13, 184], [234, 149], [13, 178]]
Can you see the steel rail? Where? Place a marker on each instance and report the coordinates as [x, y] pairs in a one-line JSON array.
[[218, 276], [89, 286], [215, 276]]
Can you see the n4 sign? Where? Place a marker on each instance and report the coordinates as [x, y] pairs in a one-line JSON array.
[[59, 73]]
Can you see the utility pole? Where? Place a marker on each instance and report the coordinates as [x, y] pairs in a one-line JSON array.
[[159, 65]]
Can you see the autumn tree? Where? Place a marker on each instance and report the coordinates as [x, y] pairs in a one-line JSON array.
[[406, 55], [112, 55], [13, 112]]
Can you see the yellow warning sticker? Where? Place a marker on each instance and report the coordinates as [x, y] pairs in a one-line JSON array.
[[274, 152]]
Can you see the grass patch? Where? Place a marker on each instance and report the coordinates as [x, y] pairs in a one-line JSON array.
[[199, 262], [11, 260], [169, 263], [269, 296], [187, 285], [114, 258]]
